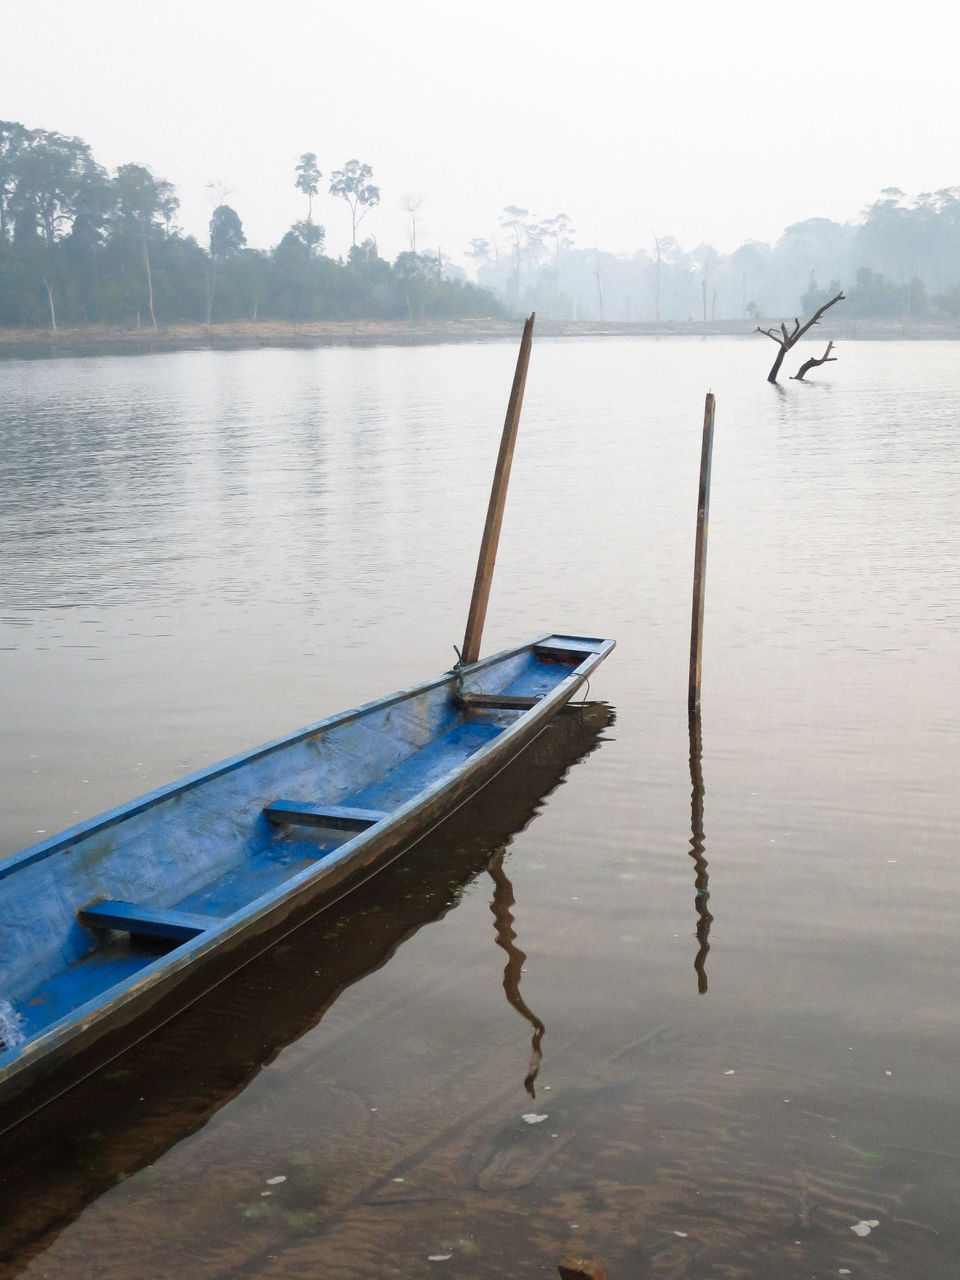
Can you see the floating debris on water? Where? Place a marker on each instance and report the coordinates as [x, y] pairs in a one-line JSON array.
[[531, 1117], [276, 1180], [865, 1226]]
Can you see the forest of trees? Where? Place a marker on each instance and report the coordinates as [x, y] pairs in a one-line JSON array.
[[900, 261], [81, 246]]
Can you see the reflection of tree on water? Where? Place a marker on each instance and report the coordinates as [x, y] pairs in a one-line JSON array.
[[503, 900], [697, 843]]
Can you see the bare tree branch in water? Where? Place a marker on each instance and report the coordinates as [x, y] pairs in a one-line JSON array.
[[812, 363], [789, 338]]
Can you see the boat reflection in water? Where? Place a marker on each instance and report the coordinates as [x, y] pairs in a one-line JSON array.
[[169, 1085]]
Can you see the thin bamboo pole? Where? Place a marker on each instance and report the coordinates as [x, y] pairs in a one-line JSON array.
[[498, 498], [700, 555]]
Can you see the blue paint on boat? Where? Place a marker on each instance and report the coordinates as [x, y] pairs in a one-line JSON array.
[[108, 917]]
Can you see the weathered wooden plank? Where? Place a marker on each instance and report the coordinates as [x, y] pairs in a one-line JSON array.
[[496, 701], [562, 654], [149, 922], [339, 817], [568, 644]]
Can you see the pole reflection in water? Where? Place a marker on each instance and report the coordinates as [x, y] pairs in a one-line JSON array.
[[697, 844], [503, 900]]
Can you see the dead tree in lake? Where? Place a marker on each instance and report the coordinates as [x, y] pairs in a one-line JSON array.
[[786, 339], [812, 363]]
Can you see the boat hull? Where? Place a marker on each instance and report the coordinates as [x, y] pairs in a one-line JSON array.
[[222, 863]]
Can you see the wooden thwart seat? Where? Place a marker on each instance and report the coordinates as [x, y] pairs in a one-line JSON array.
[[150, 922], [564, 650], [337, 817], [496, 701]]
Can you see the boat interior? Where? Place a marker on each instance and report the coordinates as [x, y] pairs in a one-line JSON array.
[[93, 907]]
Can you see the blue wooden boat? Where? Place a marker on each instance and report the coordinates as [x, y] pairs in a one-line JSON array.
[[169, 1086], [138, 910]]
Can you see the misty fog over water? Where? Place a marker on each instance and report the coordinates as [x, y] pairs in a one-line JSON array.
[[204, 550]]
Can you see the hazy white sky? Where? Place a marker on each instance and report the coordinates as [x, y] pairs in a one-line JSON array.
[[716, 121]]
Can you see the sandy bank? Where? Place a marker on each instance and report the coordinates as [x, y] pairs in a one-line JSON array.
[[108, 339]]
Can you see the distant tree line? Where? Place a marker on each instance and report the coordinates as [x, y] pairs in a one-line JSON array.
[[81, 246], [900, 261]]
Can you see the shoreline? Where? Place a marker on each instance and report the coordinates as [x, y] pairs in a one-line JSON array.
[[114, 340]]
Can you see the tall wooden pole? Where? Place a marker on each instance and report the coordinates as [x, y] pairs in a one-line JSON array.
[[498, 498], [700, 556]]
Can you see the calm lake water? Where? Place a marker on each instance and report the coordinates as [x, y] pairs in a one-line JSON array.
[[751, 1023]]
